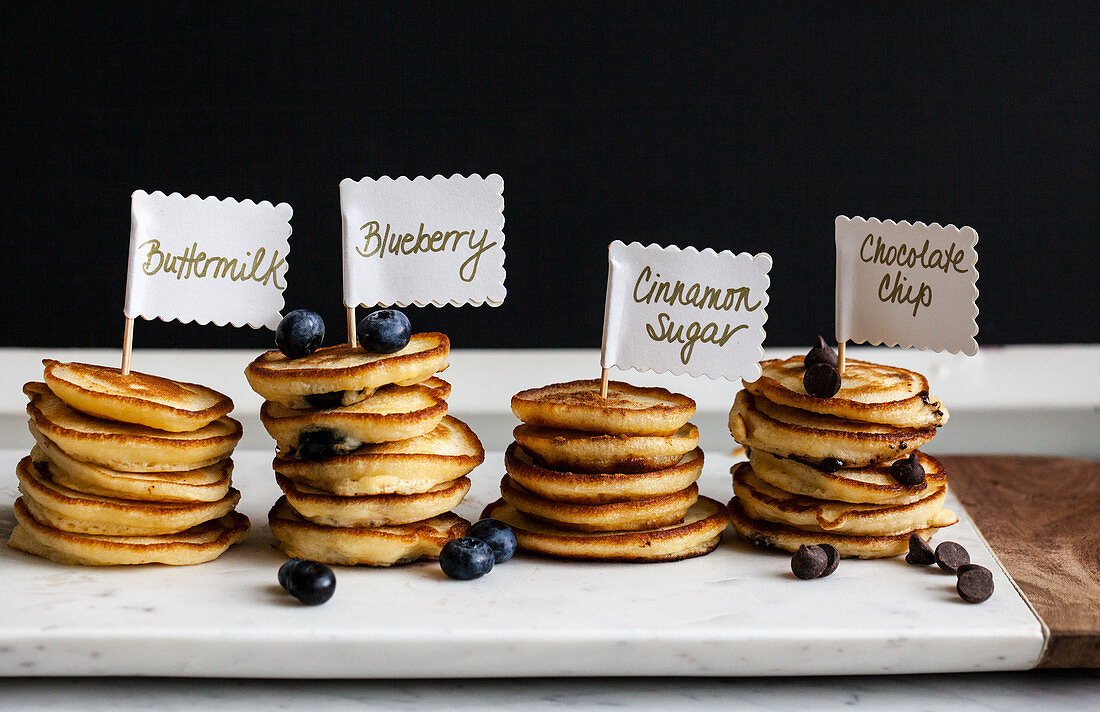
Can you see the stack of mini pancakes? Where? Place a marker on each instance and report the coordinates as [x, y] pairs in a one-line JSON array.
[[821, 470], [611, 478], [369, 462], [130, 469]]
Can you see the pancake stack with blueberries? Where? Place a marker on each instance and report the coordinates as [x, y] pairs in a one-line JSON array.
[[126, 469], [606, 478], [835, 459], [369, 462]]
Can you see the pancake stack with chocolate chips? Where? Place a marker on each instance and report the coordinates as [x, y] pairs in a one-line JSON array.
[[369, 462], [835, 459], [609, 478], [130, 469]]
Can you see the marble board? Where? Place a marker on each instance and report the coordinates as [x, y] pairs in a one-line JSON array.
[[738, 611]]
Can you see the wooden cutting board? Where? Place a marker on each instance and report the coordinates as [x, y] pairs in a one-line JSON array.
[[1041, 517]]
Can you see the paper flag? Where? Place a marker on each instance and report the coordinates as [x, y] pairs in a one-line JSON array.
[[207, 260], [904, 284], [421, 241], [685, 310]]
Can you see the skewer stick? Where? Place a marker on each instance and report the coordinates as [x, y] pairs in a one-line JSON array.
[[840, 356], [127, 344], [603, 383], [351, 326]]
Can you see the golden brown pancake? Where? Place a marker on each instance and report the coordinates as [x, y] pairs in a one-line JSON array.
[[872, 484], [392, 413], [372, 546], [345, 369], [137, 398], [869, 392], [577, 451], [376, 510], [626, 410], [698, 534], [399, 467], [124, 446], [599, 488], [203, 543], [633, 515], [206, 484], [762, 501], [758, 423], [780, 536], [66, 509]]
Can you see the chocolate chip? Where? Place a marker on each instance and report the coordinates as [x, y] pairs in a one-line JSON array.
[[821, 353], [950, 556], [809, 561], [975, 584], [832, 559], [821, 380], [920, 554], [908, 471], [831, 464]]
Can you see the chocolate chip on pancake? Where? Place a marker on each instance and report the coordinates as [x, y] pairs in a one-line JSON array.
[[821, 353], [821, 381], [908, 471]]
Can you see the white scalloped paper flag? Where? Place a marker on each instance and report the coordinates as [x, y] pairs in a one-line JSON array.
[[421, 241], [685, 311], [907, 284], [207, 260]]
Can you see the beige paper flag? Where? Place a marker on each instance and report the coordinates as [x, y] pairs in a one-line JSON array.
[[685, 310], [207, 260], [906, 284]]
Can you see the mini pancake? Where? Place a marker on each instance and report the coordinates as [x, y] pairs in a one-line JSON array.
[[206, 484], [137, 398], [600, 488], [124, 446], [392, 413], [633, 515], [627, 409], [862, 485], [399, 467], [376, 510], [869, 392], [349, 370], [780, 536], [698, 534], [205, 542], [760, 424], [66, 509], [372, 546], [761, 501], [576, 451]]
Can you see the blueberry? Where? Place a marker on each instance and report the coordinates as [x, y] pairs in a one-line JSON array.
[[286, 568], [466, 558], [300, 333], [311, 583], [384, 331], [498, 535], [317, 444]]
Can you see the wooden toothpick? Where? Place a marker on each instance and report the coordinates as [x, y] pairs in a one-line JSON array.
[[127, 345], [840, 356], [351, 326], [603, 383]]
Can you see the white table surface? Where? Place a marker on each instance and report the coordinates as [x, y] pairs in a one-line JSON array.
[[988, 395]]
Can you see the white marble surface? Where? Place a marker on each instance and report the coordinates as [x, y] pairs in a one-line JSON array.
[[736, 612]]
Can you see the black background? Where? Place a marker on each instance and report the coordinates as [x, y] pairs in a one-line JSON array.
[[725, 126]]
